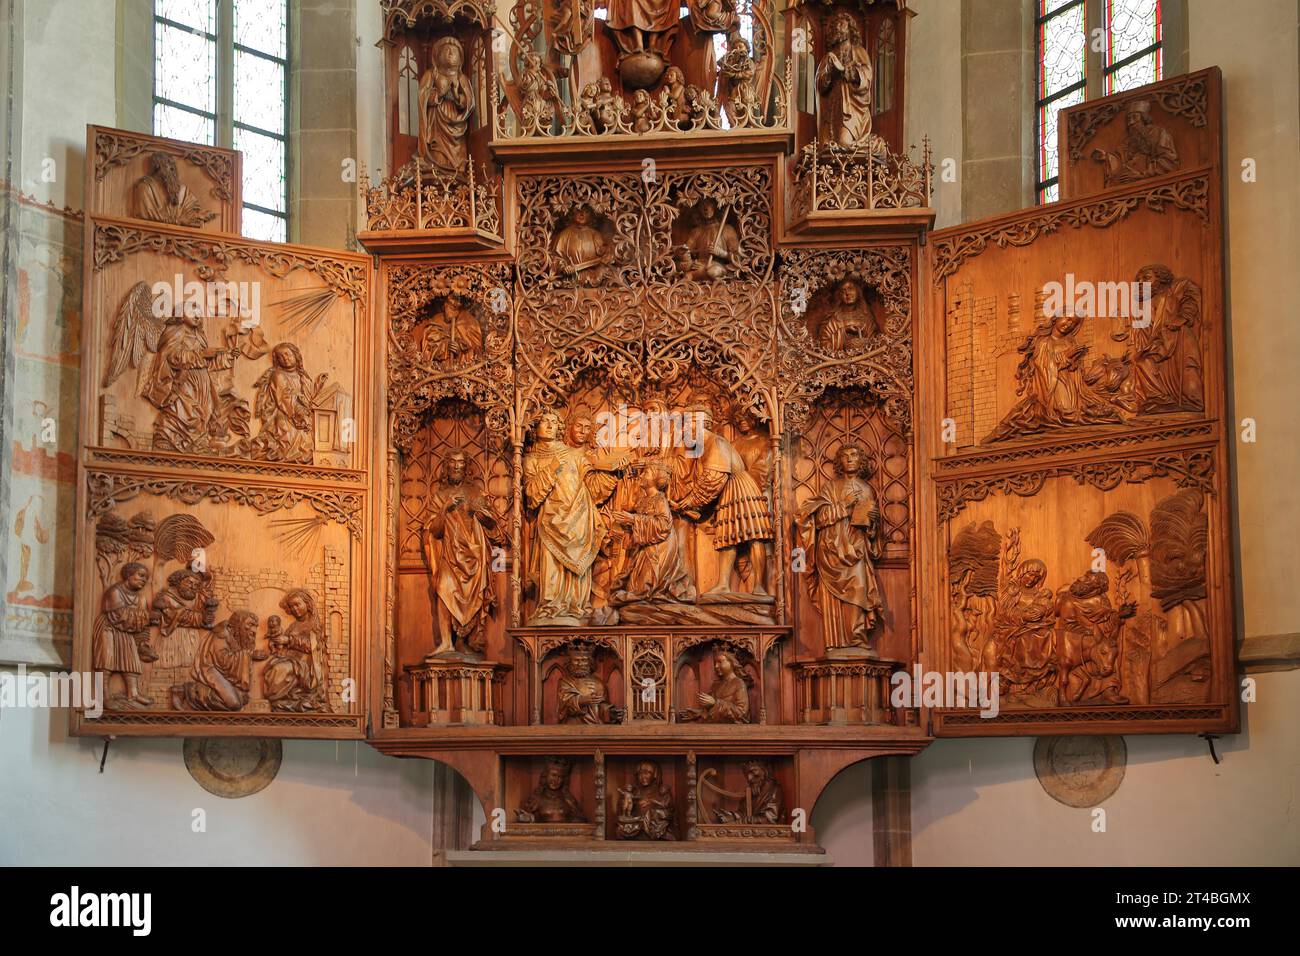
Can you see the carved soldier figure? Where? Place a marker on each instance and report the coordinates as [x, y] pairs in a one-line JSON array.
[[657, 569], [844, 79], [1166, 354], [762, 799], [581, 694], [551, 800], [840, 528], [295, 678], [736, 70], [457, 538], [221, 668], [850, 324], [161, 197], [453, 334], [645, 808], [1147, 149], [713, 245], [582, 249], [121, 627], [285, 405], [742, 517], [446, 103], [568, 530], [727, 701], [1050, 376], [1087, 640]]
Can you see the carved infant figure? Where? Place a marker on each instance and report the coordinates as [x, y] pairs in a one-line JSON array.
[[645, 808]]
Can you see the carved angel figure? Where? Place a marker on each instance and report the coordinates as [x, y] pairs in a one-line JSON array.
[[646, 809], [1147, 149], [446, 104], [674, 97], [1165, 356], [844, 79], [161, 197], [713, 16], [178, 373], [551, 800], [840, 528]]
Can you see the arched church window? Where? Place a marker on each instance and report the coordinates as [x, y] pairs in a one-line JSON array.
[[220, 78]]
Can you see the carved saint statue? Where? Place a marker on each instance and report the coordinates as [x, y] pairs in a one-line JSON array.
[[582, 249], [446, 103], [458, 531], [1165, 355], [568, 530], [1051, 379], [849, 324], [840, 528], [121, 628], [844, 79], [713, 16], [736, 70], [713, 245], [581, 694], [295, 678], [1021, 644], [761, 801], [727, 701], [641, 30], [1147, 149], [1087, 640], [718, 479], [657, 569], [453, 334], [537, 92], [675, 95], [219, 680], [285, 405], [642, 112], [551, 800], [645, 808], [161, 197]]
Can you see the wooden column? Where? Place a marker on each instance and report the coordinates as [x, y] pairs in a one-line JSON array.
[[453, 812], [891, 810]]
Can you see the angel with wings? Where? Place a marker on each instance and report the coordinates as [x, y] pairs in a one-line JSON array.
[[180, 374]]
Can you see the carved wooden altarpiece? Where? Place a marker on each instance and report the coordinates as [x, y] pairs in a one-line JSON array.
[[627, 487]]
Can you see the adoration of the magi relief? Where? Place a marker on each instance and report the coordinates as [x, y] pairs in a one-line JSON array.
[[659, 454]]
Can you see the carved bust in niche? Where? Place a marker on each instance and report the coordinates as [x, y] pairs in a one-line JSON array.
[[162, 197], [581, 250], [712, 247], [645, 807], [453, 333], [727, 701], [551, 800], [849, 322], [583, 698], [1147, 149]]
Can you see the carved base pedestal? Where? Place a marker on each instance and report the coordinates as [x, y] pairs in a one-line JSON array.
[[844, 691], [456, 692]]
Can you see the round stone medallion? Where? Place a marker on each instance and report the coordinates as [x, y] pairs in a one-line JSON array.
[[232, 766], [1080, 771]]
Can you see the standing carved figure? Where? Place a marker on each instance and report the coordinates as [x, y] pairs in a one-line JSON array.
[[727, 701], [161, 197], [537, 93], [581, 694], [551, 800], [643, 30], [645, 808], [457, 538], [844, 79], [718, 479], [1166, 354], [186, 610], [582, 250], [285, 406], [1147, 149], [121, 627], [219, 680], [840, 529], [296, 677], [446, 104], [567, 532], [736, 71]]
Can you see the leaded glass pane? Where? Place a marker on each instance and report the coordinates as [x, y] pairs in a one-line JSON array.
[[259, 92], [1131, 25], [181, 124], [263, 168], [199, 14], [1140, 72], [184, 67], [259, 25], [1049, 161], [263, 226], [1050, 193], [1047, 6], [1061, 61]]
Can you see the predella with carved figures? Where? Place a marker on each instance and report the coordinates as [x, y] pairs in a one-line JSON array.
[[657, 437]]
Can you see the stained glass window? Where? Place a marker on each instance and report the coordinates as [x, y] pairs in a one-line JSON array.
[[220, 78], [1125, 52]]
